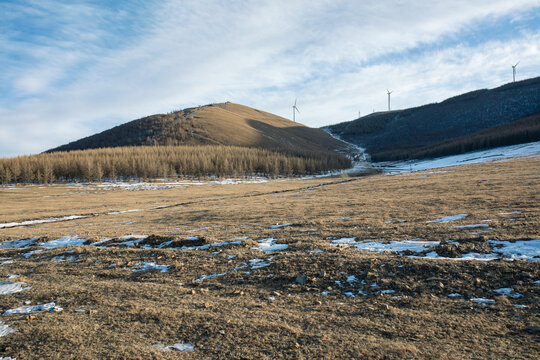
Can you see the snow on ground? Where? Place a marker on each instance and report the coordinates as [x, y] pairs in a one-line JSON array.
[[259, 263], [508, 292], [7, 287], [177, 346], [150, 266], [473, 226], [204, 277], [124, 211], [482, 301], [41, 221], [67, 241], [519, 250], [469, 256], [31, 309], [446, 219], [269, 245], [30, 253], [279, 226], [5, 329], [499, 153], [415, 245], [16, 244], [161, 184]]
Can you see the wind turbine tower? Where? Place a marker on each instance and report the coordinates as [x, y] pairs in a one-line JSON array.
[[388, 92], [514, 71], [294, 110]]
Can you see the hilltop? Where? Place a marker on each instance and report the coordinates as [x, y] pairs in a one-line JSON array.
[[507, 115], [215, 124]]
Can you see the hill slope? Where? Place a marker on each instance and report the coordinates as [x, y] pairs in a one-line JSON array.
[[402, 133], [215, 124]]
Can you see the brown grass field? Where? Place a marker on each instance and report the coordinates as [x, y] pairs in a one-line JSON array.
[[110, 311]]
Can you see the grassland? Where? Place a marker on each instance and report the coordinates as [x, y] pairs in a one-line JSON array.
[[226, 124], [279, 310]]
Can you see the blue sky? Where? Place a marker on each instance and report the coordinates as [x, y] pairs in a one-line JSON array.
[[69, 69]]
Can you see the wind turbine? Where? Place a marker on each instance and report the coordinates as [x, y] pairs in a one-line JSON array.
[[514, 71], [389, 92], [294, 110]]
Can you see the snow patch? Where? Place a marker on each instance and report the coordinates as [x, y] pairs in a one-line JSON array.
[[67, 241], [468, 256], [508, 292], [177, 346], [499, 153], [150, 266], [270, 245], [472, 226], [204, 277], [482, 301], [259, 263], [279, 226], [446, 219], [5, 330], [18, 244], [398, 246], [30, 253], [42, 221], [519, 250], [7, 287], [49, 307]]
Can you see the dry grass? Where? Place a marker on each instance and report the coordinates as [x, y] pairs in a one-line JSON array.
[[232, 316], [145, 162], [216, 124]]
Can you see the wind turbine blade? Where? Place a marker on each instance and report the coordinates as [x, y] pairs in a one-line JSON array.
[[297, 109], [295, 102]]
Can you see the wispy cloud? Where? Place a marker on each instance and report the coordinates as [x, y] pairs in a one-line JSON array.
[[77, 69]]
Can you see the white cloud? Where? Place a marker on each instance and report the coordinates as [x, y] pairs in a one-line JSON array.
[[337, 57]]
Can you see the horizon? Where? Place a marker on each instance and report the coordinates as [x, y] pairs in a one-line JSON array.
[[71, 71]]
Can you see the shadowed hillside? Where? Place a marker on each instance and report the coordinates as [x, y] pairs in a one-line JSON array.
[[215, 124], [428, 130]]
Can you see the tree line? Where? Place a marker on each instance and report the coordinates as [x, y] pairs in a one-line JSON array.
[[165, 162]]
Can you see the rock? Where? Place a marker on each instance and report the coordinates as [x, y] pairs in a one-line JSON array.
[[384, 307], [301, 279], [534, 329], [323, 273]]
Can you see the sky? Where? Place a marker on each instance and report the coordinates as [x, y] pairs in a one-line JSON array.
[[69, 69]]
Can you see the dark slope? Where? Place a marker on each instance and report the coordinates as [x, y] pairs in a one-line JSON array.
[[411, 132]]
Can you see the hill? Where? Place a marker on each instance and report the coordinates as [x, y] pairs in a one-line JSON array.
[[215, 140], [462, 123], [215, 124]]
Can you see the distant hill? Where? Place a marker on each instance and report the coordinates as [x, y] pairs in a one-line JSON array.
[[215, 124], [479, 119]]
